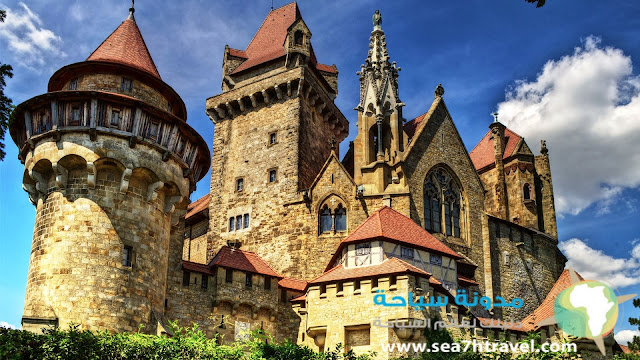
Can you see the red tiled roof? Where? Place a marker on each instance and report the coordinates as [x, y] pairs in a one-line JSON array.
[[197, 267], [268, 43], [299, 298], [242, 260], [545, 310], [411, 126], [293, 284], [467, 280], [389, 224], [237, 53], [126, 46], [483, 154], [197, 206], [389, 266]]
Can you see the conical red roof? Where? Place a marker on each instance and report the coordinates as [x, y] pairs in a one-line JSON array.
[[126, 46]]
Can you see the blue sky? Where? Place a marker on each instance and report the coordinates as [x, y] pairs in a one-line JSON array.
[[563, 73]]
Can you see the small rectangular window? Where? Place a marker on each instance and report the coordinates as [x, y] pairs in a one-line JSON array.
[[248, 281], [363, 249], [267, 283], [272, 138], [127, 254], [232, 223], [73, 84], [435, 259], [126, 85], [246, 221], [205, 281], [283, 296], [272, 175], [75, 115], [239, 184], [153, 130], [406, 252], [228, 278], [186, 278], [239, 222], [115, 118]]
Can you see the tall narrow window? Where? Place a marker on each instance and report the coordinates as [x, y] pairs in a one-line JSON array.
[[526, 192], [442, 199], [341, 218], [115, 118], [75, 114], [272, 138], [435, 204], [73, 84], [248, 283], [267, 283], [228, 277], [186, 278], [456, 220], [326, 220], [272, 175], [246, 220], [447, 219], [205, 282], [356, 285], [232, 223], [127, 254], [239, 222], [239, 184], [298, 37], [126, 85]]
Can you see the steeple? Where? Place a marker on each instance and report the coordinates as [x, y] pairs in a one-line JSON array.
[[126, 46], [380, 139]]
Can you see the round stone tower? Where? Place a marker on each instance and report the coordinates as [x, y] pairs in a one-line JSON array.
[[108, 159]]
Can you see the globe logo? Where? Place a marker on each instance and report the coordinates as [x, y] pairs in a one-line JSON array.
[[587, 309]]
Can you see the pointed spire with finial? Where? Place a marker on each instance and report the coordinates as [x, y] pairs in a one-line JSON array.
[[131, 10]]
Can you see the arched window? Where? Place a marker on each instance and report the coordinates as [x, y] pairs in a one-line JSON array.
[[526, 191], [326, 220], [341, 218], [442, 199]]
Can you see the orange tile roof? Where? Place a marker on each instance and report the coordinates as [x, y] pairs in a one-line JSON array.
[[326, 68], [237, 53], [299, 298], [483, 154], [388, 266], [293, 284], [197, 267], [242, 260], [411, 126], [268, 42], [545, 310], [126, 46], [197, 206], [389, 224]]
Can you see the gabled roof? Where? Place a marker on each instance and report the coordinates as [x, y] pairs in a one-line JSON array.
[[268, 43], [411, 126], [293, 284], [126, 46], [388, 266], [483, 154], [332, 157], [390, 225], [197, 267], [242, 260], [197, 206], [545, 310]]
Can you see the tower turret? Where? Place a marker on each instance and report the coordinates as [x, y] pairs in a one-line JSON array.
[[379, 145], [110, 163]]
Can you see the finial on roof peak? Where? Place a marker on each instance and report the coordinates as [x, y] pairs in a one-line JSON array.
[[131, 10], [495, 116], [439, 91], [377, 20]]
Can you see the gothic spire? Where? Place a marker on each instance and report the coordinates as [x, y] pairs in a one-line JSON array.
[[378, 74]]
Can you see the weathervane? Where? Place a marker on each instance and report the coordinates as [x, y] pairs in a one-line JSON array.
[[132, 9]]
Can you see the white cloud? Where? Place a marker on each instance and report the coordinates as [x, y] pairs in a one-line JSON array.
[[5, 324], [30, 43], [594, 264], [625, 336], [586, 106]]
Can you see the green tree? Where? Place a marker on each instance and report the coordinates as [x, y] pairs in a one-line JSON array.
[[634, 344], [6, 105]]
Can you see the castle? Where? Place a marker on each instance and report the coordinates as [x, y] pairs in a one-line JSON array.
[[291, 239]]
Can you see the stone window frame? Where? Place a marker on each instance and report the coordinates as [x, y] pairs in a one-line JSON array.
[[238, 184], [333, 203], [127, 256], [275, 175], [273, 138], [239, 222], [443, 198]]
